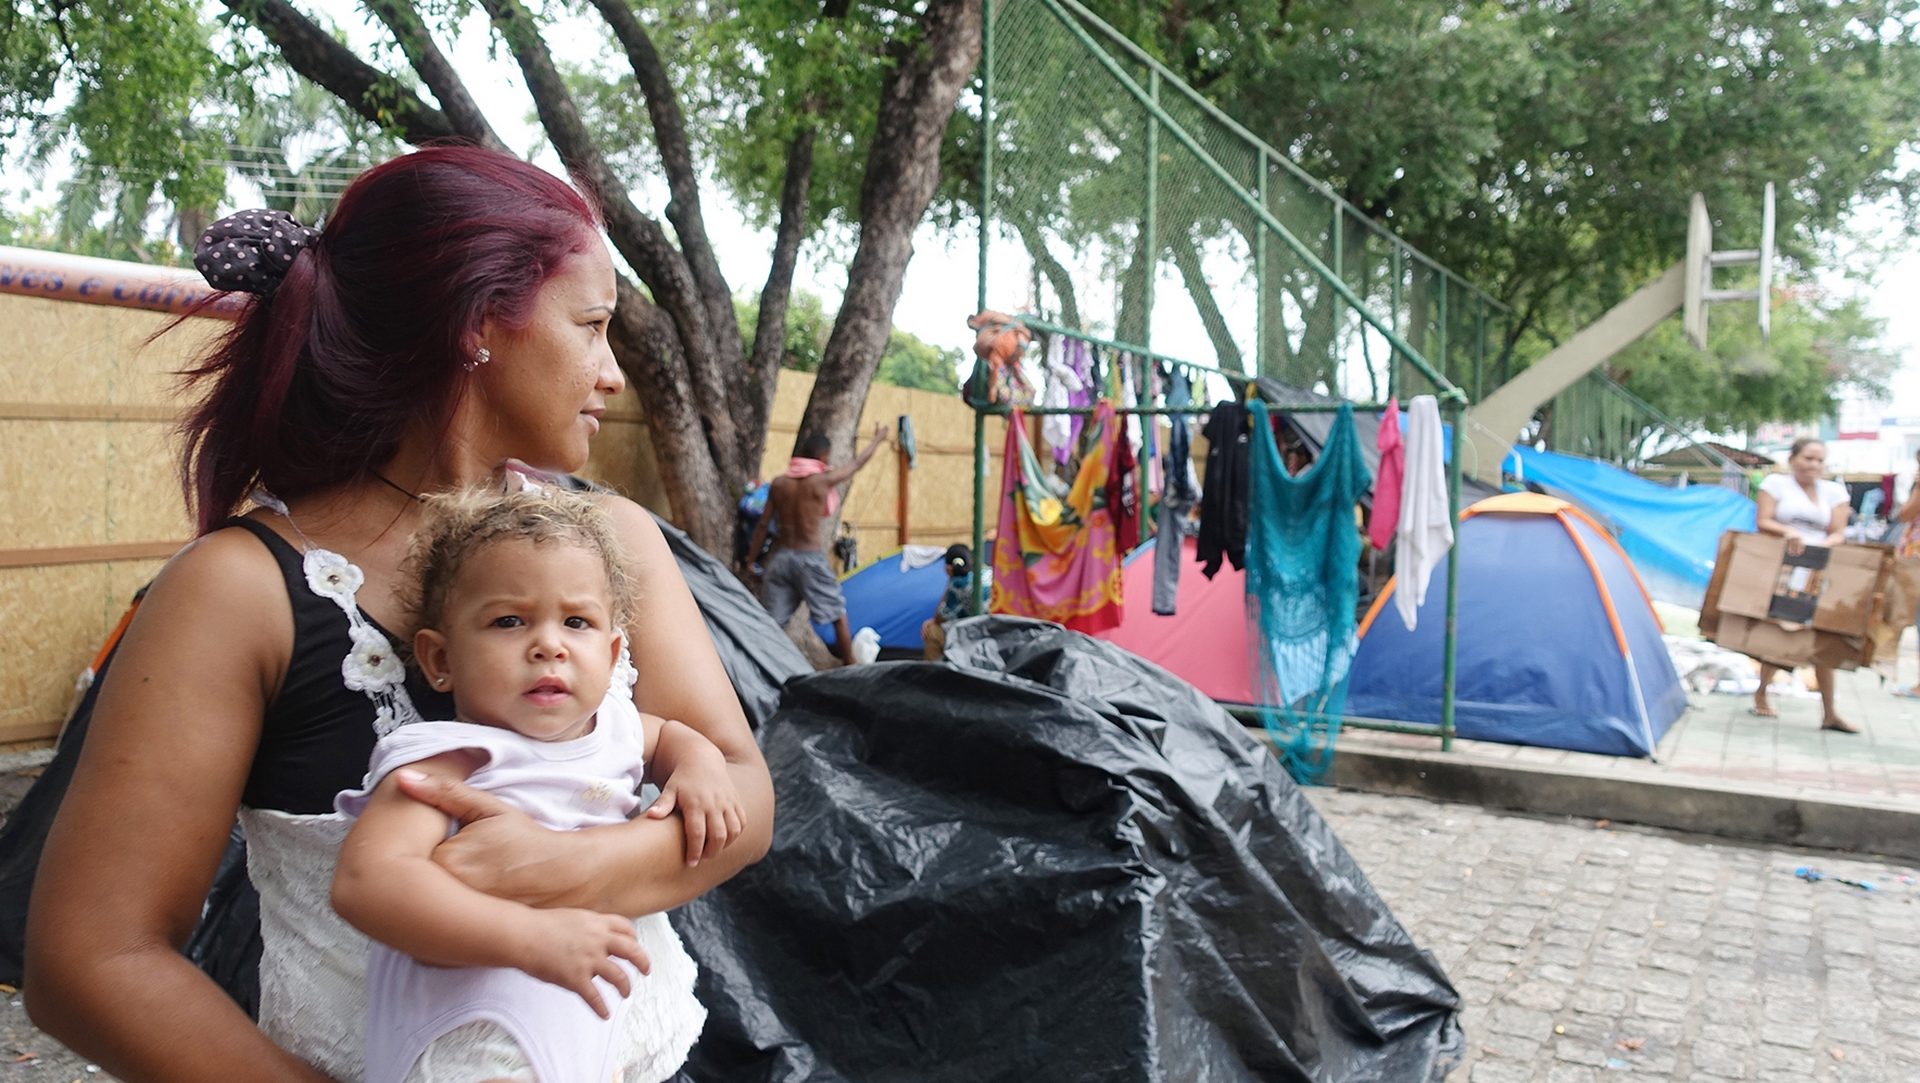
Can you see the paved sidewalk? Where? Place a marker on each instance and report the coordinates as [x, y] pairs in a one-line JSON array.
[[1587, 952], [1719, 739]]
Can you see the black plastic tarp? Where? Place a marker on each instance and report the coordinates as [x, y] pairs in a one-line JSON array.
[[1048, 859]]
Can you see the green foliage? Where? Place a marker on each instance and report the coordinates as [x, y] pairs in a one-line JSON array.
[[127, 80], [156, 111], [1817, 347], [752, 74], [1544, 150], [907, 362]]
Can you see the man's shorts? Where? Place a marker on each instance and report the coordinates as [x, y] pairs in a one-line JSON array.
[[796, 575]]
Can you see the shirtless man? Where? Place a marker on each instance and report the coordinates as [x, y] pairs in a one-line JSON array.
[[797, 568]]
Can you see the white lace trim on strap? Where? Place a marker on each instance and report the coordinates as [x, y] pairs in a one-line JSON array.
[[372, 665]]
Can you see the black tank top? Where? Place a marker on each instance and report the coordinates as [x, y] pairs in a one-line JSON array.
[[317, 733]]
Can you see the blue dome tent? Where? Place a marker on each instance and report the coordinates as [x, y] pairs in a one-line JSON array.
[[1558, 645], [892, 598]]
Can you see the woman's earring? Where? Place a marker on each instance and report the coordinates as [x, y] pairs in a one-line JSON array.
[[439, 682], [480, 358]]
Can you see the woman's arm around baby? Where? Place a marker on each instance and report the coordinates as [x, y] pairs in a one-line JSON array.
[[387, 886]]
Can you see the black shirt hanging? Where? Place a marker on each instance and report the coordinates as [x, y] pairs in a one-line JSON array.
[[1223, 493]]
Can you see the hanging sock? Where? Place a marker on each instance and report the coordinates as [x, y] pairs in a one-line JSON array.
[[1123, 496], [1424, 533], [1223, 495], [1054, 557], [1303, 584], [1386, 486], [1081, 359], [1063, 384]]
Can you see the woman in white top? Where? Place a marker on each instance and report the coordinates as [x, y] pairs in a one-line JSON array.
[[1805, 509]]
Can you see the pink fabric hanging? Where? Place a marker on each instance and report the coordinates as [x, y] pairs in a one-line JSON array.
[[1386, 485]]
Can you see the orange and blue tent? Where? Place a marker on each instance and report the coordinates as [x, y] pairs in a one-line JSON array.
[[1558, 644]]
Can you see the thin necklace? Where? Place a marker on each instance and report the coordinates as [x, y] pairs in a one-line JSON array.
[[415, 497]]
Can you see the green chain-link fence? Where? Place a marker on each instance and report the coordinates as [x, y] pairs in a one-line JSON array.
[[1124, 204]]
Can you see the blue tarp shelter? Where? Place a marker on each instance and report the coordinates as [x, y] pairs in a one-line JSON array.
[[1671, 535], [892, 599], [1558, 645]]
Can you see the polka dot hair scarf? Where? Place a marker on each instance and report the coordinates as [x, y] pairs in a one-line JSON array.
[[250, 252]]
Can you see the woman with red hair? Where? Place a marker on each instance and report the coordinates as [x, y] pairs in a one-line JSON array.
[[447, 327]]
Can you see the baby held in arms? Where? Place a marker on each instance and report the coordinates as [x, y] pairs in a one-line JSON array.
[[520, 605]]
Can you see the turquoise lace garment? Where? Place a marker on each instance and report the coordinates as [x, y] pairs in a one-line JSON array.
[[1303, 583]]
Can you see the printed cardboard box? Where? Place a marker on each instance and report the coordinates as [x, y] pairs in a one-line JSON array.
[[1817, 606]]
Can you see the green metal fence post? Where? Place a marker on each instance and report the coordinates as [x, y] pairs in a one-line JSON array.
[[1339, 271], [1150, 225], [1260, 274], [986, 229], [1457, 410], [1393, 319], [1479, 344], [1445, 363]]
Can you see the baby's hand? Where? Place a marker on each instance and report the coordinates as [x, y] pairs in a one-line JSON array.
[[572, 947], [703, 792]]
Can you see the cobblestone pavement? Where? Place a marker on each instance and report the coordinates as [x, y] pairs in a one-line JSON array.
[[1586, 952]]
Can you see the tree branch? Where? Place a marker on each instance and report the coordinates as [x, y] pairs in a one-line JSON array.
[[1187, 258], [903, 167], [639, 238], [1056, 272], [683, 181], [312, 52], [770, 329], [647, 344], [416, 41]]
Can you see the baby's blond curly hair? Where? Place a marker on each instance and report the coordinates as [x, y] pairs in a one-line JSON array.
[[462, 523]]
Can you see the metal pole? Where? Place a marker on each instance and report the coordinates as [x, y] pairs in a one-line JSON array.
[[1150, 226], [1339, 271], [1393, 360], [1479, 344], [979, 605], [1260, 275], [979, 509], [986, 149], [1445, 365], [1457, 411]]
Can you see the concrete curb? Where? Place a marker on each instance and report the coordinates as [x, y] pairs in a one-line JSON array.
[[1756, 813]]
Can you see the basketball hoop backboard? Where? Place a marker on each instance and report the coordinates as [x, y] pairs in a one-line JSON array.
[[1701, 261], [1698, 271], [1766, 264]]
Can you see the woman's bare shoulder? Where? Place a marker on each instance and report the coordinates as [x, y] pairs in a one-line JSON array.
[[224, 589]]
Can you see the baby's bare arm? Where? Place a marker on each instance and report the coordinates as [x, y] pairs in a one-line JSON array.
[[694, 781], [387, 886]]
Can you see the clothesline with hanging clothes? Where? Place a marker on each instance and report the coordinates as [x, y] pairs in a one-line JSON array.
[[1149, 401]]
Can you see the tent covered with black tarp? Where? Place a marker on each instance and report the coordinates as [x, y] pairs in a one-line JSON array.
[[1048, 859]]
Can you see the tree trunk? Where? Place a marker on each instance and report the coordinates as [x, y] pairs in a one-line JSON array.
[[770, 328], [1055, 273], [903, 167], [416, 41], [1186, 257], [646, 343]]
